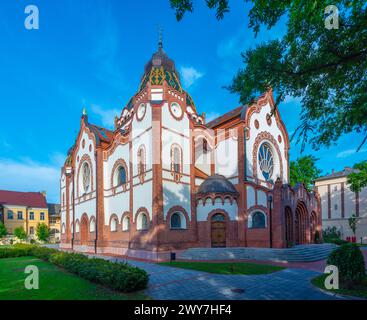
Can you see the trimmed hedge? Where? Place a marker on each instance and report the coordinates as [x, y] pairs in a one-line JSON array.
[[350, 262], [118, 276]]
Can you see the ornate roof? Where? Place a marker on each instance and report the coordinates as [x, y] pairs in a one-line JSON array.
[[160, 68], [217, 184]]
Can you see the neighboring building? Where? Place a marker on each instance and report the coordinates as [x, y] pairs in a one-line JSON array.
[[165, 179], [339, 203], [55, 221], [23, 209]]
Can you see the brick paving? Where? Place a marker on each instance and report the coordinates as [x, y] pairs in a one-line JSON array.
[[168, 283]]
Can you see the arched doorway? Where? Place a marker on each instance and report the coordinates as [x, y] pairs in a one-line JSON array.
[[288, 227], [218, 231], [301, 223], [84, 230], [313, 226]]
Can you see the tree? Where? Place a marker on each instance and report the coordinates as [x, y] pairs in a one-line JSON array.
[[304, 170], [358, 179], [325, 68], [20, 233], [42, 232], [352, 221], [3, 231]]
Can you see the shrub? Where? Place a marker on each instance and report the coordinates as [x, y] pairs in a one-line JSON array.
[[118, 276], [20, 233], [42, 232], [330, 234], [3, 231], [350, 262], [338, 242]]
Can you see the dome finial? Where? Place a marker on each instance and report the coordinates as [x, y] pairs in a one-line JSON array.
[[160, 42]]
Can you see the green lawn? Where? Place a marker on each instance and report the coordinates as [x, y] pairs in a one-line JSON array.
[[55, 284], [226, 268], [360, 291]]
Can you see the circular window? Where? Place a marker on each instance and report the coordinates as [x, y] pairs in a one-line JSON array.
[[141, 111], [86, 177], [266, 161]]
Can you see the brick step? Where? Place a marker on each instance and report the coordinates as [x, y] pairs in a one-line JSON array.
[[303, 253]]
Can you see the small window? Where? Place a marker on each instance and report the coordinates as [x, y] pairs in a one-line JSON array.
[[31, 230], [142, 223], [121, 179], [114, 224], [257, 220], [218, 218], [176, 221], [336, 188], [205, 146], [63, 228], [176, 160], [42, 216], [126, 223], [92, 225], [10, 215], [335, 207], [20, 215], [141, 161], [31, 216]]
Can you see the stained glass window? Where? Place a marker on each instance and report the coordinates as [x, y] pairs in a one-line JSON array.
[[86, 177], [266, 161]]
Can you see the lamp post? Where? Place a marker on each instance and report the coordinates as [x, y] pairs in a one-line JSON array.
[[270, 199]]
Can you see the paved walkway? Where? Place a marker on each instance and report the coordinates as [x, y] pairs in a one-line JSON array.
[[167, 283]]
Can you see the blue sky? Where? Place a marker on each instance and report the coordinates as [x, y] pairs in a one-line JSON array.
[[92, 53]]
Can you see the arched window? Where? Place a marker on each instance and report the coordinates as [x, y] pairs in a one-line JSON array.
[[176, 162], [142, 223], [121, 178], [205, 146], [114, 224], [218, 218], [92, 225], [63, 228], [266, 161], [176, 221], [257, 220], [176, 158], [77, 227], [141, 163], [86, 176], [126, 223]]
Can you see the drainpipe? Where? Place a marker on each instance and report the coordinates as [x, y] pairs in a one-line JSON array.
[[270, 221], [72, 236], [97, 201], [245, 154]]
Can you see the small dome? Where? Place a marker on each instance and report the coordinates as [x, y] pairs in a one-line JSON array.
[[217, 184]]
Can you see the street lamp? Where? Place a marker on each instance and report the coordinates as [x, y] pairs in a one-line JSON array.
[[270, 200]]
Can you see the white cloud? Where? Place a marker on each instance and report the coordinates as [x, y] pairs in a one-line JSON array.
[[190, 75], [349, 152], [29, 176], [211, 116], [291, 99], [107, 115]]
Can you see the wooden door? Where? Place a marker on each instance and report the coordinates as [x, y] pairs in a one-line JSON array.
[[218, 234]]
